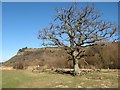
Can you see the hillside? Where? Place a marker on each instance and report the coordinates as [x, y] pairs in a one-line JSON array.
[[97, 56], [41, 56]]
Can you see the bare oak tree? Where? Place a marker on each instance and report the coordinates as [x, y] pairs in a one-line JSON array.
[[75, 28]]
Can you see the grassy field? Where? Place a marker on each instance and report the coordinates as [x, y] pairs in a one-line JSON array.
[[27, 79]]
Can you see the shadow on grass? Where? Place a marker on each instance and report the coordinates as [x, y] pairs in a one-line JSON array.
[[64, 72]]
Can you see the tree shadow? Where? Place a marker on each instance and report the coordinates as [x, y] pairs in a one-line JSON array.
[[64, 72]]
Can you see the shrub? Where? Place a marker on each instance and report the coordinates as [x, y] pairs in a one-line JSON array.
[[18, 66]]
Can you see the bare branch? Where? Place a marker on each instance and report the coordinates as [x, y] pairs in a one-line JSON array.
[[78, 27]]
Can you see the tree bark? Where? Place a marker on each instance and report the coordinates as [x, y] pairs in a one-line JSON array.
[[75, 63], [76, 67]]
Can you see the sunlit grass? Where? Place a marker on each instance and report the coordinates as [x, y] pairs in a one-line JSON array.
[[27, 79]]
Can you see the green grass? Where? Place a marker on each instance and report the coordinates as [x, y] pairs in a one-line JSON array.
[[27, 79], [0, 79]]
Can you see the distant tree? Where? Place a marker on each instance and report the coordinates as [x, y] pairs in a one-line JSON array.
[[75, 28], [25, 48], [20, 50], [18, 65]]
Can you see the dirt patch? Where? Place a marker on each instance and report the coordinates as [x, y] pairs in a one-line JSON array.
[[6, 68]]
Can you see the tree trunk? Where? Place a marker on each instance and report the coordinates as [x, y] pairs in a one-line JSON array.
[[76, 67], [75, 63]]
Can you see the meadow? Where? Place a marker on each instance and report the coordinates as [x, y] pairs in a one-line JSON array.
[[28, 79]]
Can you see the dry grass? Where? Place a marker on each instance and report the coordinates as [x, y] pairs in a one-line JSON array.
[[27, 79], [6, 68]]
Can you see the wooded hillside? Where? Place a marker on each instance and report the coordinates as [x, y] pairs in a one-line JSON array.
[[105, 56]]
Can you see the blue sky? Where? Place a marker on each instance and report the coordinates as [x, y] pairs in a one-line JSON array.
[[21, 22]]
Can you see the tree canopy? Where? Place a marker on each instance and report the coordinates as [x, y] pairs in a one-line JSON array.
[[75, 26]]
